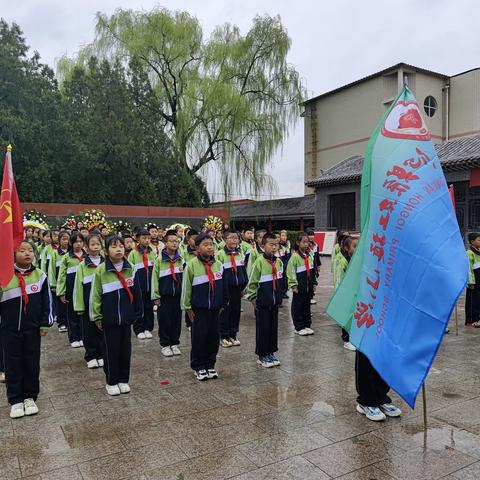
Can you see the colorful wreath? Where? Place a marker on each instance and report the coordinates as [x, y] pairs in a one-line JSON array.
[[70, 223], [34, 218], [120, 226], [213, 223], [94, 217]]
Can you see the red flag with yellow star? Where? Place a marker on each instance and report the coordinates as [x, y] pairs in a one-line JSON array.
[[11, 221]]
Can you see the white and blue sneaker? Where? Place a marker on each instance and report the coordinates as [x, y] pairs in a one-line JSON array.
[[274, 360], [201, 375], [390, 410], [372, 413], [265, 362]]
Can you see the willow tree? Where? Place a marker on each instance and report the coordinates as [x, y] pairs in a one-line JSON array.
[[229, 100]]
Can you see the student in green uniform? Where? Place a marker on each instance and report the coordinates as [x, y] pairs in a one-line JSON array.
[[91, 335], [26, 313], [142, 258], [264, 290], [257, 251], [59, 249], [115, 304], [302, 281], [233, 260], [348, 246], [203, 297], [472, 300], [65, 285]]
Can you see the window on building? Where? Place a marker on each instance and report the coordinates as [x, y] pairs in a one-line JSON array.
[[430, 106]]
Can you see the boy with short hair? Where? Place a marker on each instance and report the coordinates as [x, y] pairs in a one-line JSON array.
[[257, 250], [155, 242], [264, 290], [166, 291], [26, 311], [203, 296], [142, 258]]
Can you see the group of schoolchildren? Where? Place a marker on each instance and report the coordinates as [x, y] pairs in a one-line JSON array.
[[100, 286]]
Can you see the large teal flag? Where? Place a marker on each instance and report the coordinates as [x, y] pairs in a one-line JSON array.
[[410, 265]]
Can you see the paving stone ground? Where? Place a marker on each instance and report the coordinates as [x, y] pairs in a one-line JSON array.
[[297, 421]]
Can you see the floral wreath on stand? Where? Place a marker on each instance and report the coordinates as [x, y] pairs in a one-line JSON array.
[[94, 217], [70, 223], [213, 224], [120, 226], [34, 218]]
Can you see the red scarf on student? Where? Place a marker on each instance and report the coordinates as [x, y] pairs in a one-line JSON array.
[[79, 258], [122, 280], [232, 259], [172, 270], [208, 268], [273, 264], [23, 287], [307, 263]]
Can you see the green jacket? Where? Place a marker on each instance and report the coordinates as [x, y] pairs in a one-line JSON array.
[[262, 286], [333, 257], [109, 301], [297, 274], [66, 275], [83, 284], [252, 258], [341, 265], [54, 266], [473, 267], [197, 292], [164, 283]]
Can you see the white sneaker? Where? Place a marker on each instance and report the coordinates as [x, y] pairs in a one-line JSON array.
[[349, 346], [313, 302], [113, 390], [124, 387], [93, 363], [236, 342], [167, 352], [390, 410], [309, 330], [81, 343], [100, 362], [175, 350], [303, 332], [141, 336], [75, 345], [372, 413], [2, 377], [17, 410], [148, 334], [201, 375], [62, 329], [212, 373], [30, 406]]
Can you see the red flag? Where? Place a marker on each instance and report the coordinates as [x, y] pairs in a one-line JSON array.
[[11, 221], [452, 195]]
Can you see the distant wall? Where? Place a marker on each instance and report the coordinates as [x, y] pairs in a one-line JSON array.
[[137, 215]]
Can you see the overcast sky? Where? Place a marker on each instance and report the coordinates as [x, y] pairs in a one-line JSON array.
[[333, 43]]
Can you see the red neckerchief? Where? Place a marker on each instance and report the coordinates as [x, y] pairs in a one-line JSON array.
[[273, 264], [23, 287], [172, 270], [144, 256], [208, 268], [122, 280], [307, 263]]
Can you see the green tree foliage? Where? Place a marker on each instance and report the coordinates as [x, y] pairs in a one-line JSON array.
[[227, 101], [99, 139]]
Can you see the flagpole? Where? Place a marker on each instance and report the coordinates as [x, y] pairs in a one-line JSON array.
[[456, 320], [424, 398]]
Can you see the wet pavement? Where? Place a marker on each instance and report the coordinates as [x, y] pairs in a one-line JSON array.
[[297, 421]]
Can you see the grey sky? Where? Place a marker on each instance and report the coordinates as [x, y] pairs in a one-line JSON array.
[[333, 42]]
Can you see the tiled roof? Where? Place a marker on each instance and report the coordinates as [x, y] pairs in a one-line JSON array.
[[406, 66], [458, 154], [285, 207]]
